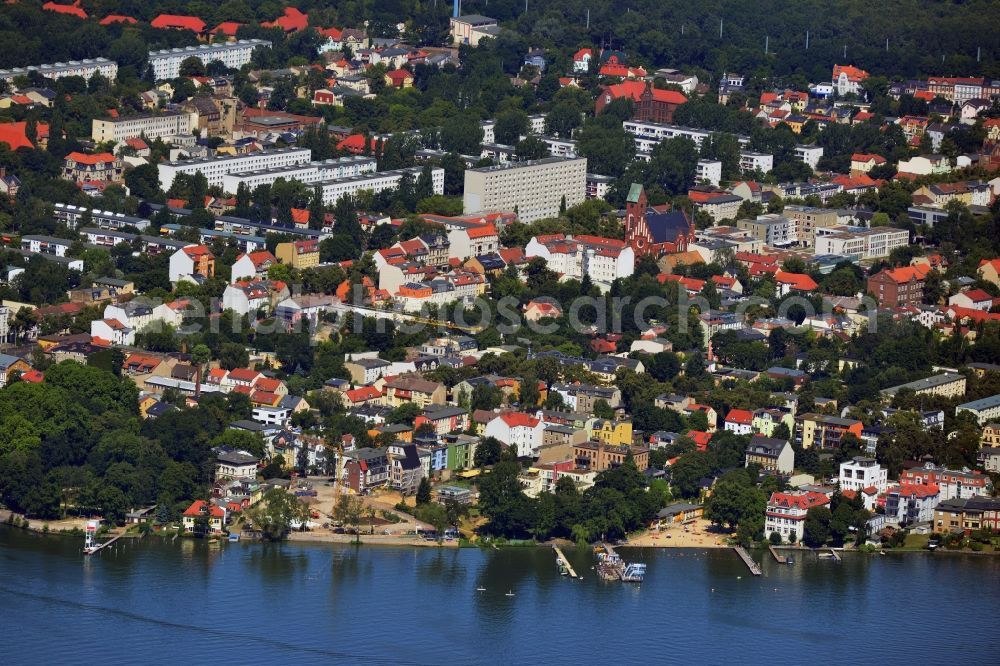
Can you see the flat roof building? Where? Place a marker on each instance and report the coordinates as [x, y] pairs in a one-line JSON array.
[[535, 189]]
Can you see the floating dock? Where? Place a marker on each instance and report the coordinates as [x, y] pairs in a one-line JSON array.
[[564, 566], [780, 559], [611, 566], [745, 556]]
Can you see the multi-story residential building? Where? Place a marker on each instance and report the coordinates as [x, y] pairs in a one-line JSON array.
[[709, 171], [751, 161], [825, 432], [714, 322], [739, 421], [961, 484], [597, 456], [984, 409], [773, 455], [807, 219], [786, 513], [367, 370], [71, 216], [472, 241], [366, 468], [405, 470], [809, 154], [908, 504], [899, 286], [520, 431], [860, 243], [166, 63], [861, 473], [967, 515], [191, 261], [773, 229], [946, 385], [306, 172], [150, 126], [333, 189], [80, 167], [603, 259], [615, 433], [649, 134], [85, 68], [535, 189], [48, 245], [765, 421], [847, 79], [215, 168], [298, 254], [413, 389], [719, 205]]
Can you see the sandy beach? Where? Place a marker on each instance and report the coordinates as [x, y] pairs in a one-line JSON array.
[[699, 534]]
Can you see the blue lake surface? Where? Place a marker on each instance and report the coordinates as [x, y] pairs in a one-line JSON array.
[[154, 602]]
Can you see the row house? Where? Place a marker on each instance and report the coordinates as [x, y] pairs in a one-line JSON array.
[[967, 515], [952, 484]]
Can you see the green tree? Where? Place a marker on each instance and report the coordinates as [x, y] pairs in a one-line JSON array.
[[275, 514], [424, 491], [488, 452], [816, 530]]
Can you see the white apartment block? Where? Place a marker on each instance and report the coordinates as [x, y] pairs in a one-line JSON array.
[[537, 121], [85, 68], [603, 259], [151, 126], [809, 154], [166, 64], [860, 242], [215, 168], [71, 215], [750, 161], [309, 173], [773, 229], [649, 134], [560, 147], [708, 170], [536, 189], [332, 190], [860, 473]]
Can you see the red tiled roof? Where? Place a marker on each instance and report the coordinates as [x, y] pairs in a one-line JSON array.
[[797, 281], [634, 90], [740, 416], [700, 438], [199, 506], [867, 157], [482, 232], [243, 374], [269, 384], [175, 21], [518, 419], [83, 158], [853, 73], [13, 134], [71, 10], [906, 274], [917, 489], [227, 28], [291, 20], [300, 215], [363, 394], [117, 18], [804, 501], [32, 376]]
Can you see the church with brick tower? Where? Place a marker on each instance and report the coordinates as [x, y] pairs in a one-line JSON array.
[[655, 233]]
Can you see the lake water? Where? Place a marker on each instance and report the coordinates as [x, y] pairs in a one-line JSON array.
[[152, 602]]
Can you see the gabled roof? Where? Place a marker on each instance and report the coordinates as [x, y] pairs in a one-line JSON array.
[[634, 90], [176, 21], [797, 281], [740, 416], [71, 10], [518, 420], [117, 18], [199, 507]]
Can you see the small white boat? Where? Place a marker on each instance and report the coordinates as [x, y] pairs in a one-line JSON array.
[[509, 594], [480, 589]]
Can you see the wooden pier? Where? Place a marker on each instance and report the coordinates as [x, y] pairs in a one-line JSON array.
[[780, 559], [93, 550], [835, 554], [745, 556], [564, 562]]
